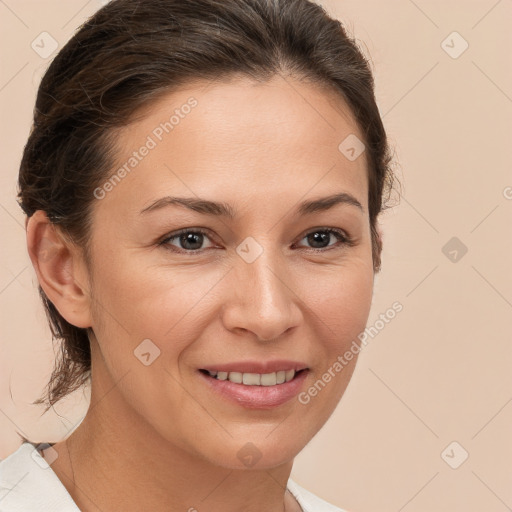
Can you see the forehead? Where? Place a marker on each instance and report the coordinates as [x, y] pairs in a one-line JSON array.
[[242, 138]]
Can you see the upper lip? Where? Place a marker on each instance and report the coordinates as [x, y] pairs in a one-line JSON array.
[[256, 366]]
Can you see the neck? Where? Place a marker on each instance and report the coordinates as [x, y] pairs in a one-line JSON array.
[[116, 457]]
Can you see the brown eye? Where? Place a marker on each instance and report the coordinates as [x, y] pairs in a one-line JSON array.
[[189, 240], [320, 238]]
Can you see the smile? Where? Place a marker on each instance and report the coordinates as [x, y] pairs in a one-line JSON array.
[[254, 379], [255, 390]]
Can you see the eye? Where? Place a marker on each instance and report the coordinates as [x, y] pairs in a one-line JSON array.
[[320, 237], [190, 240]]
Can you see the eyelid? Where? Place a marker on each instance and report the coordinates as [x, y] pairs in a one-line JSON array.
[[175, 234]]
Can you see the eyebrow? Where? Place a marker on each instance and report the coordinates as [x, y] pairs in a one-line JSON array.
[[221, 209]]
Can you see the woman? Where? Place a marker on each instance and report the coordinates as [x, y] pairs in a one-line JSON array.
[[202, 187]]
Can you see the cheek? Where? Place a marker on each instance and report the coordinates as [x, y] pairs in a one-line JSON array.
[[347, 311], [165, 304], [340, 304], [341, 300]]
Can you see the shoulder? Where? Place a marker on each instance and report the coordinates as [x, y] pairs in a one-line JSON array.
[[27, 482], [309, 501]]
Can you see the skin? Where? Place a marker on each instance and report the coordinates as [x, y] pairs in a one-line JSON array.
[[155, 437]]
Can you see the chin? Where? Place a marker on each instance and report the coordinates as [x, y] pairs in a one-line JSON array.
[[266, 449]]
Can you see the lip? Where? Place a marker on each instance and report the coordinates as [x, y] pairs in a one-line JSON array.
[[256, 397], [257, 366]]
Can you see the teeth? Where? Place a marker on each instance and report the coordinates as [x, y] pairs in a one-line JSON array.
[[251, 379], [289, 375], [268, 379], [235, 377], [255, 379]]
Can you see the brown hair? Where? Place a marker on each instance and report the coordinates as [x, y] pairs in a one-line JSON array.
[[131, 52]]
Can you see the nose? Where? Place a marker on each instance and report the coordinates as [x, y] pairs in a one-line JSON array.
[[262, 299]]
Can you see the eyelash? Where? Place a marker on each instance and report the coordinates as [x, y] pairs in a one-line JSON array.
[[345, 240]]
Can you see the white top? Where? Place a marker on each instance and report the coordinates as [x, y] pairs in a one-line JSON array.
[[28, 484]]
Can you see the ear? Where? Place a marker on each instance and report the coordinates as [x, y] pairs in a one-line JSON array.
[[60, 269]]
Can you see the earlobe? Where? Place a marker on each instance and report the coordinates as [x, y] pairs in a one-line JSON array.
[[60, 269]]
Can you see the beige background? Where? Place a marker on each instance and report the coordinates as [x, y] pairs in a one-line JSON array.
[[440, 371]]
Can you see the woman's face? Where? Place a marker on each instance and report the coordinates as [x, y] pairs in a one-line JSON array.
[[263, 288]]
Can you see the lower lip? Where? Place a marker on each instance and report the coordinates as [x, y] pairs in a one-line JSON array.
[[257, 397]]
